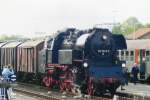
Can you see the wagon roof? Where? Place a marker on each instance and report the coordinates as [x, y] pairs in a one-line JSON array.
[[12, 44], [2, 44], [31, 43], [138, 44]]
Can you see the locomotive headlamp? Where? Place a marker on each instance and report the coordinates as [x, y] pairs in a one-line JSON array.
[[123, 65], [104, 37], [85, 64]]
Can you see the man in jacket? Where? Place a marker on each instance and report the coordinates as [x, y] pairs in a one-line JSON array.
[[6, 73], [134, 72]]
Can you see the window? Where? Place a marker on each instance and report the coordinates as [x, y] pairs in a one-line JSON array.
[[131, 53], [147, 53], [122, 53], [147, 56], [127, 53]]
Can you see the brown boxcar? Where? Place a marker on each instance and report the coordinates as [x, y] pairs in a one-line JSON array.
[[1, 44], [9, 54], [28, 56]]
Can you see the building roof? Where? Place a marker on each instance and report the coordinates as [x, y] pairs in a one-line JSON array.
[[139, 33], [138, 44]]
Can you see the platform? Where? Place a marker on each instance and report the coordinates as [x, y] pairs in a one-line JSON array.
[[141, 90]]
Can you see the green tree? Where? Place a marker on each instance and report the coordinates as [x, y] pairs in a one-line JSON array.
[[5, 37], [117, 29], [130, 25], [147, 25]]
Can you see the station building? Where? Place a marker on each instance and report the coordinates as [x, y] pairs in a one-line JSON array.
[[142, 33]]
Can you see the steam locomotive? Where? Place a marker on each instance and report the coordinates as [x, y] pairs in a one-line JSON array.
[[85, 59]]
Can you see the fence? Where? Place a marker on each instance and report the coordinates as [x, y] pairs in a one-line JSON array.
[[5, 93]]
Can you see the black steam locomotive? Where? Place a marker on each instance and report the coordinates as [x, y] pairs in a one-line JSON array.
[[87, 59]]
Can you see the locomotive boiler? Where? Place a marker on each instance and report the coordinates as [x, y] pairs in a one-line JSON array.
[[87, 59]]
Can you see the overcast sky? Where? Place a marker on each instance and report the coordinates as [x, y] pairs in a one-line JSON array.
[[30, 16]]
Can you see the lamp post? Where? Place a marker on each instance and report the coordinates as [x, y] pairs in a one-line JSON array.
[[134, 32]]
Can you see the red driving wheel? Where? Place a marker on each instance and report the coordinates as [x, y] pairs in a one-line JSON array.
[[90, 88], [47, 81]]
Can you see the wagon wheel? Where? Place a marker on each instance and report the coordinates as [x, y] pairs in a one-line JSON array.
[[112, 91], [69, 81], [69, 86], [90, 87], [83, 87]]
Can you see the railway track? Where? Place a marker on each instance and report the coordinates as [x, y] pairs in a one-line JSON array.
[[42, 92], [42, 96]]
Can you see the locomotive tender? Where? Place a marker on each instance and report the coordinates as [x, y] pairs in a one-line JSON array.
[[87, 59]]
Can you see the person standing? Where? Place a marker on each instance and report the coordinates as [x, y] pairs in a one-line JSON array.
[[6, 73], [134, 72]]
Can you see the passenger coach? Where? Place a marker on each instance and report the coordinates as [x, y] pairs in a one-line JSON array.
[[138, 51]]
